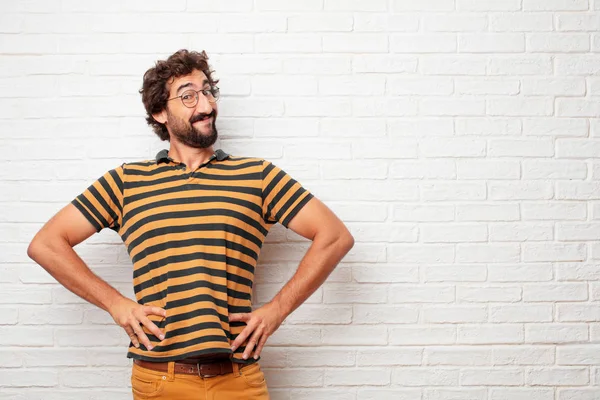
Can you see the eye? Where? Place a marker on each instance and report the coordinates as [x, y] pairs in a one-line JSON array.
[[187, 96]]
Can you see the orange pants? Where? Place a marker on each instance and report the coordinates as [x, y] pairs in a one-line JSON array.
[[247, 383]]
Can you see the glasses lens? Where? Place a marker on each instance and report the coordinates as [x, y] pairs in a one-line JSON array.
[[189, 98], [215, 92]]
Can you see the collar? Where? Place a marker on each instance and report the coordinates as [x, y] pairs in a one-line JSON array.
[[163, 156]]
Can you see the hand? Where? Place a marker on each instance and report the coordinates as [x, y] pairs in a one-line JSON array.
[[128, 315], [261, 323]]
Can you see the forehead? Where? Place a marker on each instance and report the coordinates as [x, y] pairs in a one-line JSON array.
[[196, 78]]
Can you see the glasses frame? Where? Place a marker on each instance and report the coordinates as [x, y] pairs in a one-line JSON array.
[[213, 92]]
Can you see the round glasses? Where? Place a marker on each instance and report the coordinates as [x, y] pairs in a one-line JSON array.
[[190, 98]]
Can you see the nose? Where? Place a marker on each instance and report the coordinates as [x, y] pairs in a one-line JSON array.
[[203, 106]]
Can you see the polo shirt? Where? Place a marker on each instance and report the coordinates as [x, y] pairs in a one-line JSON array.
[[194, 238]]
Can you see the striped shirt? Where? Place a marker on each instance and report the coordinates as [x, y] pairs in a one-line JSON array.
[[194, 239]]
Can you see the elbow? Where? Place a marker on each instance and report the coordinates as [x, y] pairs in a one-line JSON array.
[[34, 248], [347, 241]]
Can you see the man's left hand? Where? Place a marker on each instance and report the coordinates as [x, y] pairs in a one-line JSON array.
[[260, 324]]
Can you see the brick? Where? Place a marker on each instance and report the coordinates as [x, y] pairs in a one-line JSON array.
[[423, 335], [577, 355], [456, 273], [487, 212], [426, 5], [491, 42], [577, 191], [474, 86], [422, 294], [455, 22], [453, 191], [521, 313], [520, 232], [355, 335], [353, 293], [405, 376], [476, 169], [521, 148], [457, 355], [490, 253], [525, 190], [433, 169], [578, 312], [488, 5], [560, 43], [520, 21], [554, 210], [356, 5], [423, 43], [577, 22], [491, 377], [287, 42], [490, 334], [522, 65], [556, 333], [546, 169], [385, 22], [523, 355], [459, 147], [555, 127], [390, 356], [453, 233], [454, 314], [357, 377], [555, 5], [355, 43], [521, 394], [466, 64], [488, 294], [563, 376]]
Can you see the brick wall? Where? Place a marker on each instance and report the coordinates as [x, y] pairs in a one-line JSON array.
[[458, 139]]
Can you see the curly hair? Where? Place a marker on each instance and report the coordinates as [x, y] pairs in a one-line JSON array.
[[154, 90]]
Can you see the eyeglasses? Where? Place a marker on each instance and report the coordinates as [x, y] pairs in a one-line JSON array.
[[190, 98]]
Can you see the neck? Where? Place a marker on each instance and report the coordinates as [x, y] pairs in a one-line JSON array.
[[190, 156]]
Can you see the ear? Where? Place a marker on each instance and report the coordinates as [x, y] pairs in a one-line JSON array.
[[160, 117]]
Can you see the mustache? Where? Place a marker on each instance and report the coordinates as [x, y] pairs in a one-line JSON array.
[[199, 117]]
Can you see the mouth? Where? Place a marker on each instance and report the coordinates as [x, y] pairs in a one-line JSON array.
[[204, 120]]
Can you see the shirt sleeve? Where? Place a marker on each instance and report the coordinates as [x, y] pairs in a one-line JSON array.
[[102, 202], [282, 196]]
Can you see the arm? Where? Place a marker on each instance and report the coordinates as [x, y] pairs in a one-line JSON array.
[[52, 248], [331, 241]]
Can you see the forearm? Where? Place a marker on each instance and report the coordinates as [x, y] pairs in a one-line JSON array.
[[59, 259], [317, 264]]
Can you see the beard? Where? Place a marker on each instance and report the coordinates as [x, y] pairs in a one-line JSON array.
[[188, 134]]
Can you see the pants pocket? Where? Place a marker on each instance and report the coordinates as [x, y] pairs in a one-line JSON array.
[[253, 375], [146, 383]]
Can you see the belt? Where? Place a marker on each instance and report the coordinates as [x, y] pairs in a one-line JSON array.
[[205, 369]]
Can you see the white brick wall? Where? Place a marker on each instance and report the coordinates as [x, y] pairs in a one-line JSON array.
[[458, 139]]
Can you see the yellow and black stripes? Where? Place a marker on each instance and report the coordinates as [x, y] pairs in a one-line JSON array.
[[194, 239]]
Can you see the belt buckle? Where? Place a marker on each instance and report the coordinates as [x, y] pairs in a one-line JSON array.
[[200, 372]]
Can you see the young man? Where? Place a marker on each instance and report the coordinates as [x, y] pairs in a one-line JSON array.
[[193, 220]]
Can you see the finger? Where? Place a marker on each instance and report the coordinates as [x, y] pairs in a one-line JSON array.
[[261, 344], [148, 310], [132, 336], [252, 343], [242, 337], [151, 326], [239, 317], [141, 335]]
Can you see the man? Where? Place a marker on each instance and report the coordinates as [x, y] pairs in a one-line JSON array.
[[193, 220]]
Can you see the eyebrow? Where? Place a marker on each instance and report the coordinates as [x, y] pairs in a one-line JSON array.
[[190, 84]]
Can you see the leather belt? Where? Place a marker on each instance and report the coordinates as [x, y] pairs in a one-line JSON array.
[[205, 369]]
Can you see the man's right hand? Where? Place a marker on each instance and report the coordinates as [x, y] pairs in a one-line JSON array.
[[129, 315]]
